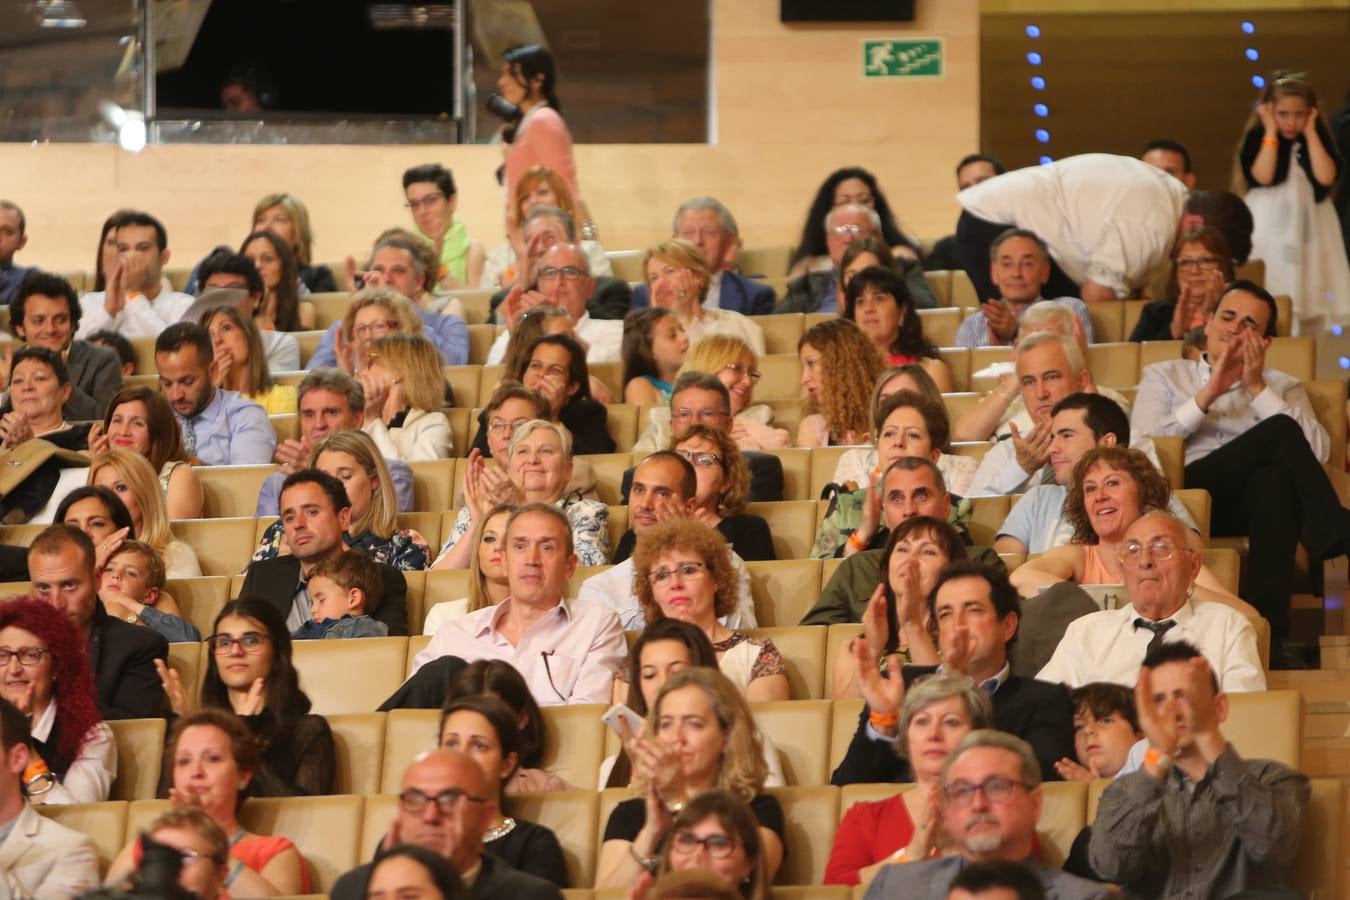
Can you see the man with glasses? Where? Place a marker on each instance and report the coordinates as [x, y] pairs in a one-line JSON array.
[[429, 192], [711, 227], [39, 858], [662, 487], [330, 401], [445, 804], [62, 566], [991, 802], [819, 291], [1196, 819], [1160, 570], [315, 515]]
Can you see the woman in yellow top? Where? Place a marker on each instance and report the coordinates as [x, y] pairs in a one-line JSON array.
[[241, 364]]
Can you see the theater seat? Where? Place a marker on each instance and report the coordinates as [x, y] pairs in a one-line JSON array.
[[609, 469], [1296, 356], [572, 816], [824, 461], [433, 484], [960, 364], [1063, 815], [574, 743], [800, 729], [464, 384], [843, 723], [940, 280], [1328, 402], [810, 814], [488, 378], [1107, 321], [481, 339], [200, 599], [416, 644], [439, 586], [768, 261], [792, 525], [223, 546], [957, 404], [939, 325], [1319, 868], [231, 490], [309, 345], [407, 733], [1114, 365], [1225, 563], [986, 517], [358, 739], [104, 823], [784, 589], [836, 639], [189, 661], [610, 374], [379, 812], [286, 426], [476, 302], [781, 331], [459, 430], [329, 307], [1171, 452], [140, 749], [621, 418], [1266, 725], [781, 377], [1198, 503], [963, 290], [803, 652], [353, 676], [1151, 352]]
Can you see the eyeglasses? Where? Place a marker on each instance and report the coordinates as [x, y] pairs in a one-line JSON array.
[[703, 415], [28, 656], [686, 571], [250, 642], [753, 374], [567, 273], [848, 230], [1162, 548], [375, 329], [414, 801], [692, 235], [501, 426], [425, 202], [719, 846], [1197, 264], [996, 790], [701, 457], [189, 855]]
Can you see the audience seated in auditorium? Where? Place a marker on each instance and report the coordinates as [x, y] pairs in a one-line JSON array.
[[1160, 575], [844, 187], [220, 427], [446, 804], [212, 761], [140, 419], [1173, 158], [723, 488], [45, 312], [1197, 818], [13, 238], [555, 366], [878, 301], [250, 672], [1201, 268], [499, 679], [405, 392], [1065, 202], [537, 468], [281, 307], [136, 302], [606, 297], [1019, 267], [330, 400], [344, 591], [817, 290], [61, 562], [682, 569], [896, 618], [288, 218], [839, 365], [431, 198], [977, 614], [710, 226], [654, 349], [934, 716], [39, 390], [73, 757], [678, 275], [235, 271], [316, 515], [566, 650], [43, 859], [991, 802], [730, 361], [131, 586], [241, 361], [487, 572], [1254, 442], [664, 487], [130, 477], [700, 712], [716, 834], [539, 186], [970, 171]]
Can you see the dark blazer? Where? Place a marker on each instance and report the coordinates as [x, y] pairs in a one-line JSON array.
[[766, 477], [806, 293], [611, 299], [495, 879], [95, 376], [276, 580], [1036, 711], [123, 657], [736, 293]]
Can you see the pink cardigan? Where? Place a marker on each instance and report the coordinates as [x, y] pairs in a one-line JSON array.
[[542, 140]]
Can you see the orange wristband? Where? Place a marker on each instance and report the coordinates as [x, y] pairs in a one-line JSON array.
[[883, 720], [857, 543], [1155, 757], [1269, 142]]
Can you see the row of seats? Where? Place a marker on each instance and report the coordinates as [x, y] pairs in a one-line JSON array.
[[336, 833]]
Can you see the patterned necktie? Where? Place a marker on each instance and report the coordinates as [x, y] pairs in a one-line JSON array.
[[1158, 629], [189, 438]]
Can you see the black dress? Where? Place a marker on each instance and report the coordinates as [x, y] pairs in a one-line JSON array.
[[532, 849], [629, 816], [748, 536]]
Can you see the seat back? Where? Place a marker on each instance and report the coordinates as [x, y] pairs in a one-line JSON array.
[[189, 661], [792, 523], [986, 517], [104, 823], [1172, 454], [836, 639], [572, 816], [379, 813], [481, 339], [1114, 365], [1063, 815], [353, 676], [785, 589], [781, 377], [1197, 502], [1328, 403], [609, 469], [200, 600], [439, 586], [960, 363], [824, 462], [231, 490], [1266, 725], [433, 484], [800, 730], [140, 751], [326, 830], [463, 381], [781, 331], [621, 420], [939, 325], [810, 814], [223, 546], [358, 740], [769, 261], [407, 732], [843, 723], [1319, 868], [574, 743], [803, 651], [1296, 356]]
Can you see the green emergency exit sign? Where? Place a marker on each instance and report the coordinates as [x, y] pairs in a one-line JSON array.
[[902, 59]]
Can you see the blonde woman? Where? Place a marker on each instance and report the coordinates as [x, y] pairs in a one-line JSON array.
[[840, 365], [131, 477], [539, 186], [736, 365], [286, 217], [353, 458], [487, 572], [674, 762], [405, 391], [678, 275], [241, 361], [374, 312]]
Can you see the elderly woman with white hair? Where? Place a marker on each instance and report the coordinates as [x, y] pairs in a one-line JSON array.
[[537, 469]]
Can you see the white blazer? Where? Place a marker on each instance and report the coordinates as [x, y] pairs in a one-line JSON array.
[[46, 861]]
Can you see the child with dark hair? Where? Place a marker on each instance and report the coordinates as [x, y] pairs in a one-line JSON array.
[[343, 591]]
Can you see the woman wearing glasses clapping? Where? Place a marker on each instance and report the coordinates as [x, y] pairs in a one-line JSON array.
[[250, 672]]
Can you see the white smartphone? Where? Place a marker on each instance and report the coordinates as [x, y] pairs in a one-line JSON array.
[[632, 722]]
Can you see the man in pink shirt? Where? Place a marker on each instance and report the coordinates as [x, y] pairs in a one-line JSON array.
[[566, 650]]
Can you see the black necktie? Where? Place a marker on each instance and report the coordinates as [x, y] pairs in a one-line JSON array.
[[1158, 629]]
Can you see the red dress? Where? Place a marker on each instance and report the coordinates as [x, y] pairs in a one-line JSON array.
[[870, 832]]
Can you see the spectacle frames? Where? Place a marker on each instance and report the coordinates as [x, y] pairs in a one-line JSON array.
[[686, 571], [996, 790], [719, 846], [1133, 551], [250, 642], [414, 801], [28, 656]]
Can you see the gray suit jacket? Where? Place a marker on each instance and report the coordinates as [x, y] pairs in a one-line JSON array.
[[95, 376], [930, 879], [46, 861]]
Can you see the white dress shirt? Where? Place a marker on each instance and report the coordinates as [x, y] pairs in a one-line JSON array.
[[89, 778], [570, 655], [1105, 646], [603, 337], [140, 317], [613, 589], [1165, 405], [1111, 219]]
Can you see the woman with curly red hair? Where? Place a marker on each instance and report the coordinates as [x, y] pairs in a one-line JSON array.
[[45, 672]]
